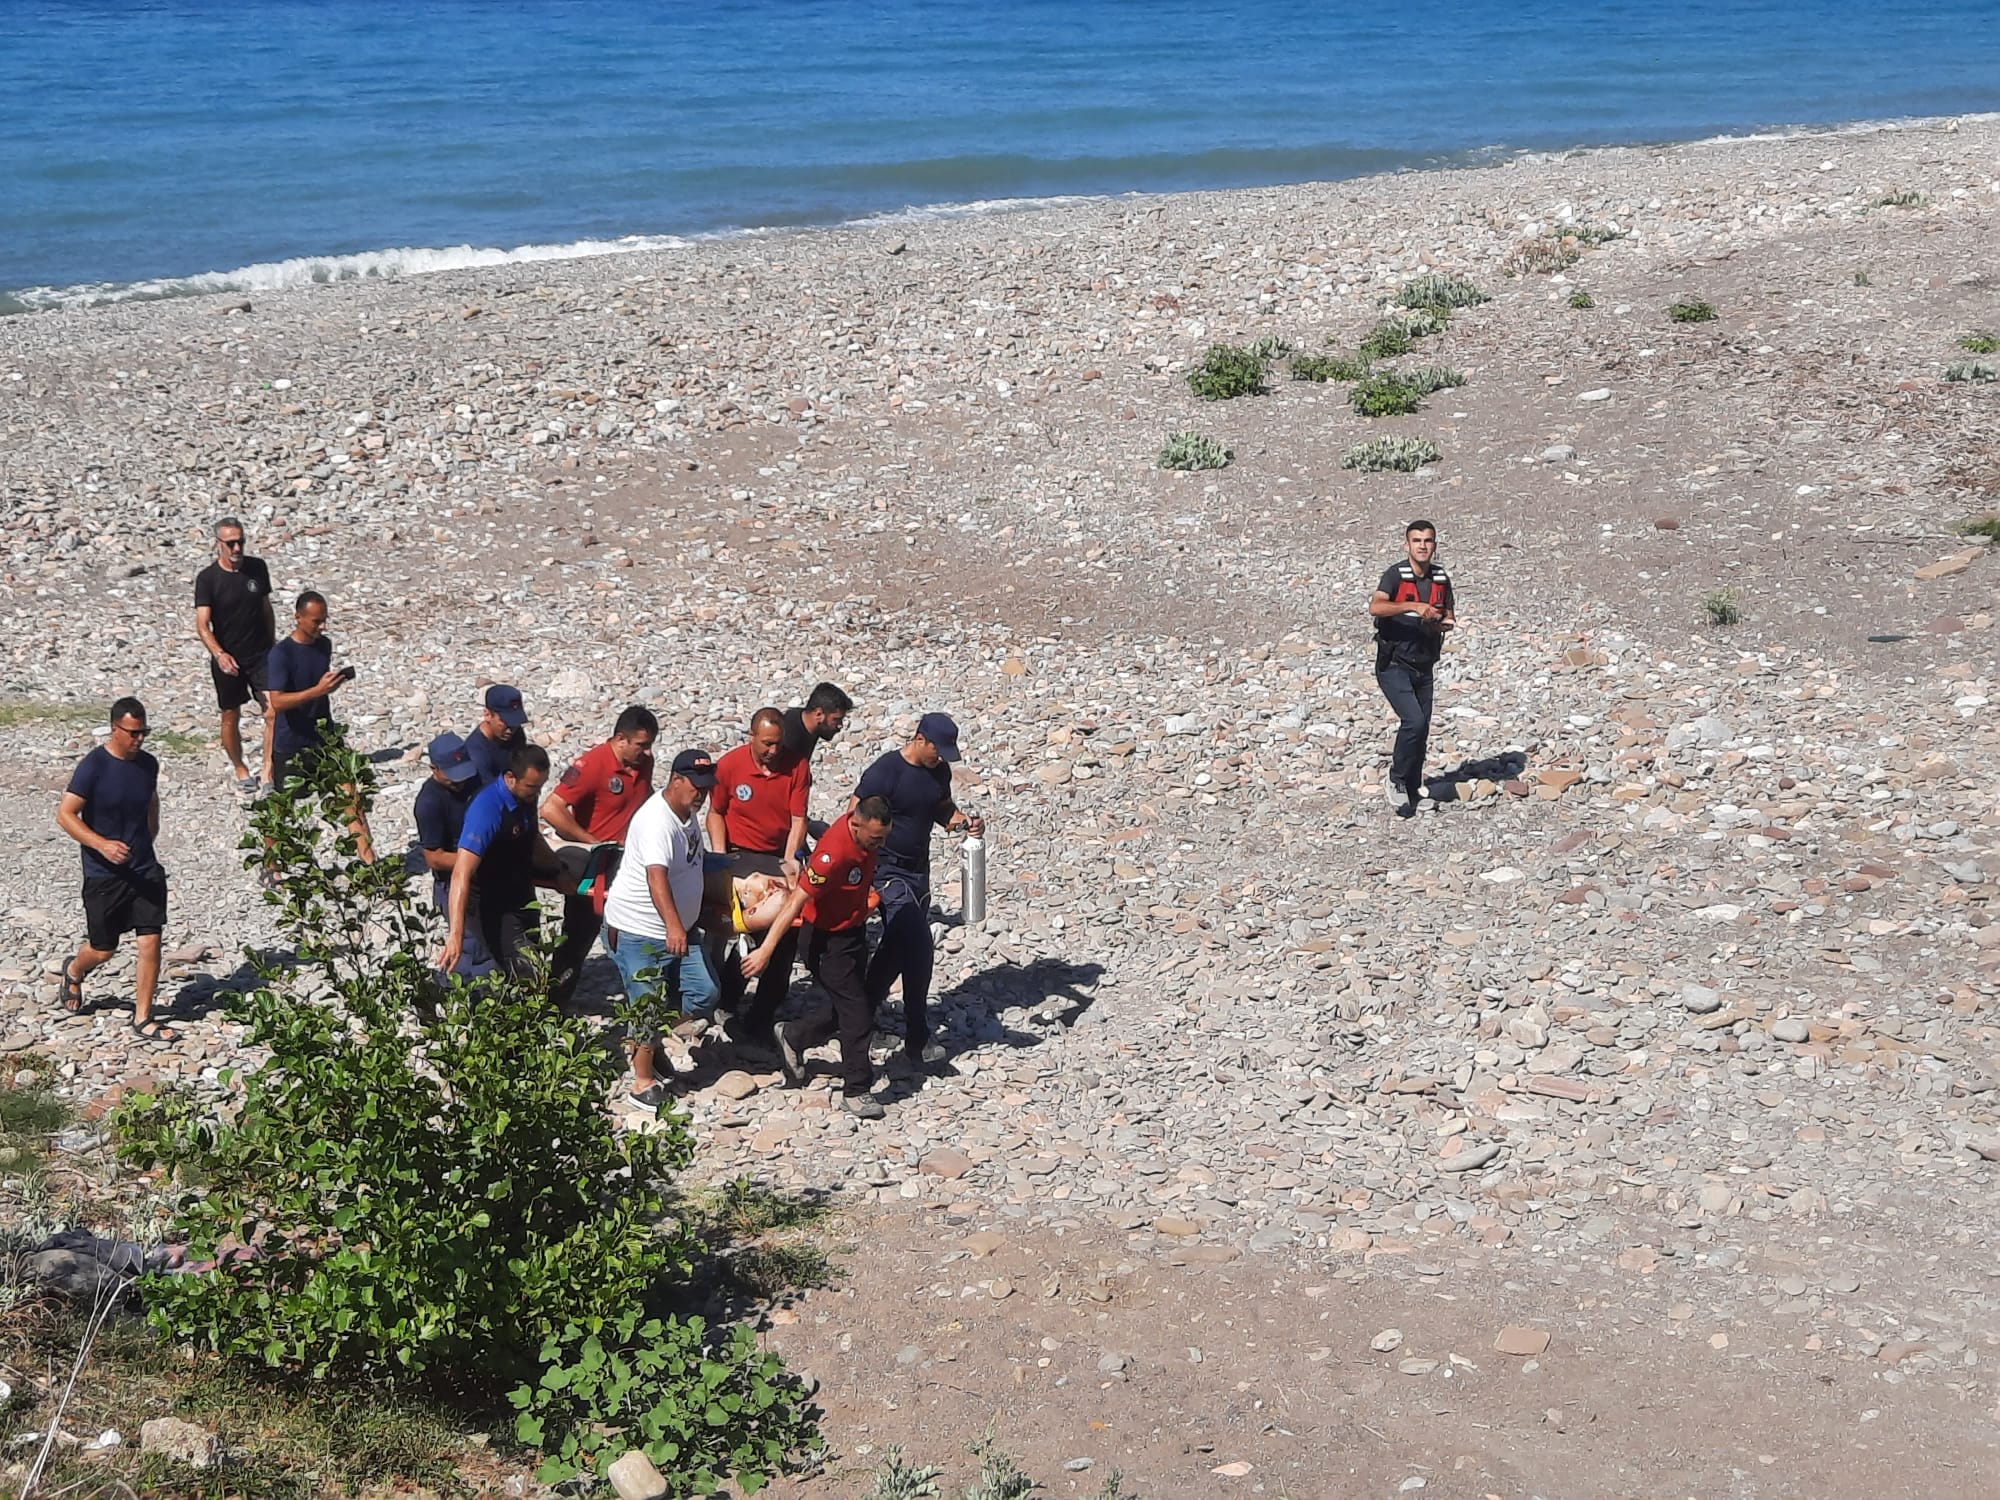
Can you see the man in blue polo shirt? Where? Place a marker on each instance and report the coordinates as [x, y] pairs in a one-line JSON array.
[[916, 783], [498, 732], [501, 856]]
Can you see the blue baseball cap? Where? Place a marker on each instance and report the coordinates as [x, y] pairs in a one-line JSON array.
[[449, 755], [941, 732], [506, 702]]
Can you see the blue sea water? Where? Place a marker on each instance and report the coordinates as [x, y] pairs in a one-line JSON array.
[[145, 142]]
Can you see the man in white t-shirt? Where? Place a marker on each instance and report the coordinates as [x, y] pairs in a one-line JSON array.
[[655, 901]]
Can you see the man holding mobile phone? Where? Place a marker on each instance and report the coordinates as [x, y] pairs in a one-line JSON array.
[[302, 677]]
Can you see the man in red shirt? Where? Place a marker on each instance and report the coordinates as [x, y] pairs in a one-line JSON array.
[[757, 816], [591, 805], [832, 895]]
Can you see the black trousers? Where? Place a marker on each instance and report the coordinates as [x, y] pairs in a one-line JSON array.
[[838, 960], [510, 936], [906, 952], [580, 926], [775, 983], [1408, 689]]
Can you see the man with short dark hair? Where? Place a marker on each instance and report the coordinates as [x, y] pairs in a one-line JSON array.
[[816, 721], [590, 806], [234, 623], [302, 678], [915, 781], [832, 896], [440, 815], [112, 809], [758, 817], [1413, 608], [501, 858], [654, 905], [498, 731]]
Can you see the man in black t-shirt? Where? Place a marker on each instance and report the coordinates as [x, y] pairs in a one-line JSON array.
[[302, 678], [916, 783], [818, 720], [1413, 608], [112, 808], [440, 817], [233, 621]]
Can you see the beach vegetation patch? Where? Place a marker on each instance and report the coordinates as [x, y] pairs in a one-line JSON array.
[[1398, 332], [1401, 454], [1541, 256], [1324, 367], [1593, 234], [1271, 348], [1227, 371], [1582, 301], [1986, 527], [896, 1479], [1979, 343], [1436, 290], [1385, 393], [1980, 370], [1694, 310], [1429, 379], [1905, 198], [1719, 608], [1192, 451]]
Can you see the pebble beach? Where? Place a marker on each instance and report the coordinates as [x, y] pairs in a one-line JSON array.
[[1687, 991]]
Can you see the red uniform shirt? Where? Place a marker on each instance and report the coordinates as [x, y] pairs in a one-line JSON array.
[[838, 878], [757, 807], [602, 794]]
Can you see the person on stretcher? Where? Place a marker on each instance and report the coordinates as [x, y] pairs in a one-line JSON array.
[[742, 903]]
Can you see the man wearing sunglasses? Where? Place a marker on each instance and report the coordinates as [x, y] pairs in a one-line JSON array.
[[112, 809], [234, 622]]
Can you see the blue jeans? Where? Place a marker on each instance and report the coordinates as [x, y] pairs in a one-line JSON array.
[[685, 982]]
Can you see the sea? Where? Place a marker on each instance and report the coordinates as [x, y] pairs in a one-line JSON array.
[[153, 148]]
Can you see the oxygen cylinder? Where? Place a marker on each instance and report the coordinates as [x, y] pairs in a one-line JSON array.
[[972, 882]]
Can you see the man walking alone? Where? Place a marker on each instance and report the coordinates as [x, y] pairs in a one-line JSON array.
[[1413, 608]]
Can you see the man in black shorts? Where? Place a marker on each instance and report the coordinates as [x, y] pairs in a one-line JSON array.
[[112, 808], [233, 621], [1412, 606]]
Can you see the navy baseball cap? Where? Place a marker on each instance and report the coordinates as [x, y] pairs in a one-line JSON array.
[[449, 755], [506, 702], [940, 731], [697, 765]]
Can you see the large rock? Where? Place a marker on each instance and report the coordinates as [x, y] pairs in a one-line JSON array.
[[181, 1442], [636, 1477]]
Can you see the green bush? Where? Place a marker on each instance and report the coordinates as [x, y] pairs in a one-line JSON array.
[[1987, 527], [1582, 301], [1190, 450], [1324, 367], [1385, 394], [435, 1188], [1428, 379], [1592, 234], [1434, 291], [1403, 454], [1979, 343], [1972, 369], [1904, 199], [1270, 348], [1693, 310], [1719, 608], [1227, 371], [896, 1480]]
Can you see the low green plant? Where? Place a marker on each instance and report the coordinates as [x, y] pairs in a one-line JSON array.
[[1227, 371], [1113, 1487], [1693, 310], [1719, 608], [1324, 367], [1429, 379], [1979, 370], [1403, 454], [1979, 343], [1987, 527], [1593, 234], [1384, 393], [1271, 348], [1192, 451], [438, 1190], [1434, 290], [176, 742], [16, 713], [894, 1479], [1387, 339], [1582, 301], [1541, 256], [1862, 278], [1906, 198], [1000, 1478]]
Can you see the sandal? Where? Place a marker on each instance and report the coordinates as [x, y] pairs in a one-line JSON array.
[[72, 993], [154, 1030]]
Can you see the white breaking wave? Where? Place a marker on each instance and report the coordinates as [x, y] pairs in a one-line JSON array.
[[317, 270]]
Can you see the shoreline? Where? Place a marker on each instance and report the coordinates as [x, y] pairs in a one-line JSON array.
[[406, 262]]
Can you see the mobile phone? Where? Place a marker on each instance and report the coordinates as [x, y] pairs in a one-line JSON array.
[[347, 674]]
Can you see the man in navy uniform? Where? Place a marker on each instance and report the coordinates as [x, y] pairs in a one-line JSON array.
[[1413, 609]]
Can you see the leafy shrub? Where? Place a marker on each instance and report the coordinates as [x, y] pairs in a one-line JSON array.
[[1719, 608], [1582, 301], [1404, 454], [1000, 1478], [1429, 379], [1226, 372], [1903, 199], [896, 1480], [1435, 290], [1862, 278], [1972, 369], [1692, 311], [1979, 343], [1270, 348], [1987, 526], [1385, 394], [1387, 339], [1329, 367], [1592, 234], [1541, 257], [1190, 450], [436, 1186]]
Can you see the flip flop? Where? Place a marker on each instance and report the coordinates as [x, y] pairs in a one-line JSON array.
[[155, 1030], [72, 993]]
